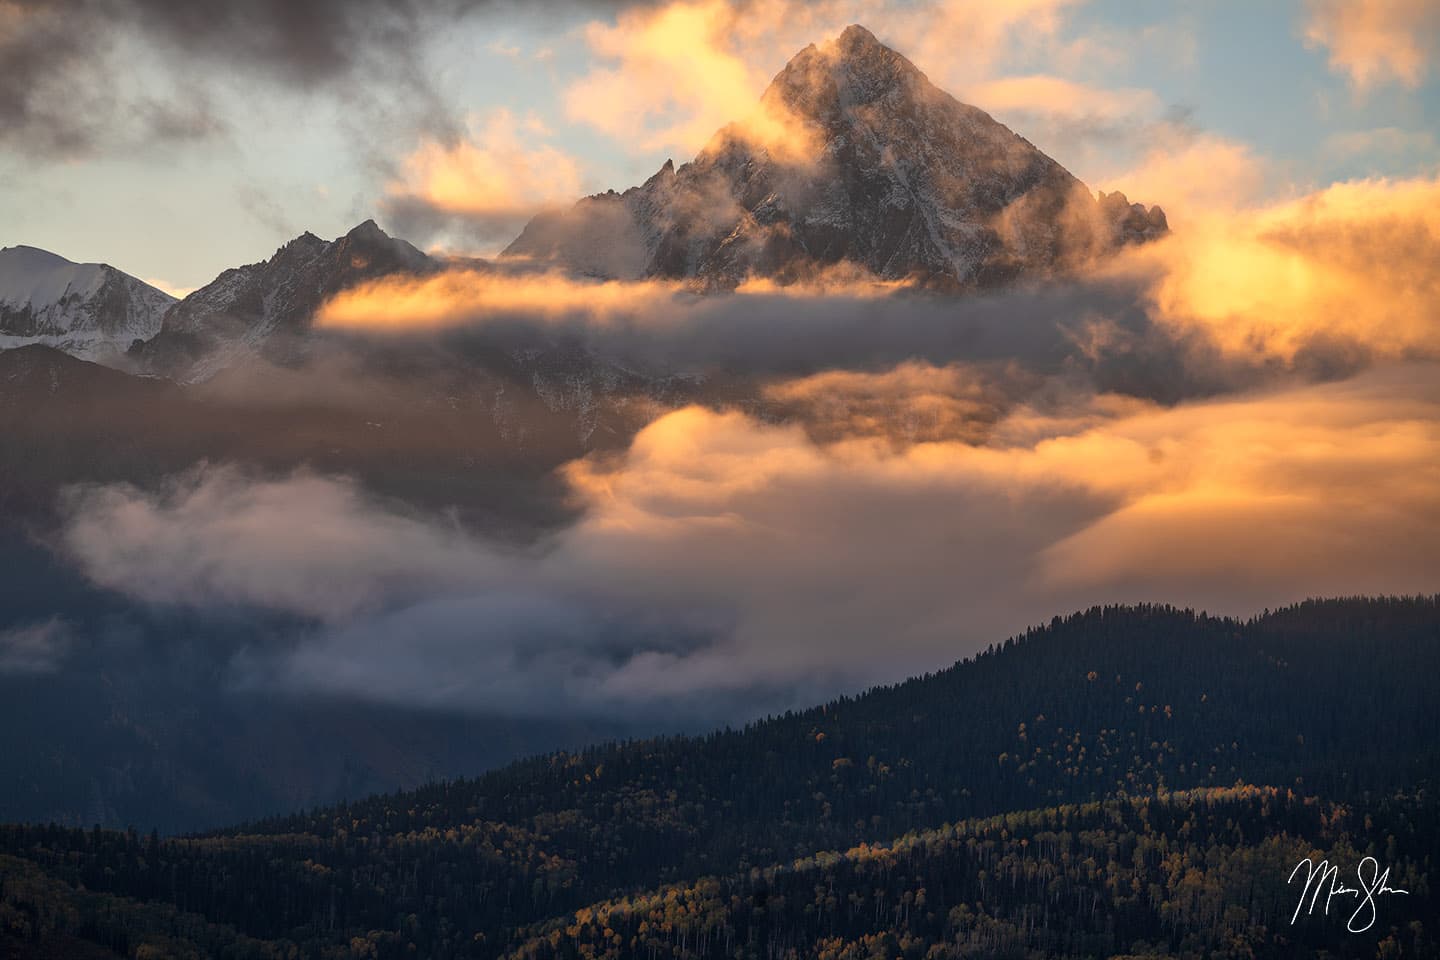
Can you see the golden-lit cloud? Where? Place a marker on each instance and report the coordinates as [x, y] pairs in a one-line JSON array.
[[1193, 176], [1230, 504], [913, 402], [722, 553], [469, 296], [1351, 264], [676, 74], [502, 169], [1374, 42], [1315, 486], [841, 279], [464, 296]]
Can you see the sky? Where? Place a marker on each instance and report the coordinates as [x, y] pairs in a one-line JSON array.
[[174, 145]]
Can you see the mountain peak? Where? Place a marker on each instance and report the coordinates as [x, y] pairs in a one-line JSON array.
[[855, 40], [307, 244], [266, 307], [855, 156], [824, 81], [90, 309], [367, 244], [34, 255], [368, 230]]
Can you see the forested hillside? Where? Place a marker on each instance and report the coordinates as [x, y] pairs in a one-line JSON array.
[[1198, 873], [1126, 730]]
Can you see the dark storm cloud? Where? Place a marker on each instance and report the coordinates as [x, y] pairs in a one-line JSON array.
[[62, 84]]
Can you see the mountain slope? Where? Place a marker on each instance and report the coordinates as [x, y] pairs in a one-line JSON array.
[[91, 310], [1214, 865], [1328, 699], [890, 174], [267, 307], [1202, 873]]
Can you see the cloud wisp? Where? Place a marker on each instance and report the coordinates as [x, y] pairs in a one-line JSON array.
[[1374, 42], [34, 648], [484, 186]]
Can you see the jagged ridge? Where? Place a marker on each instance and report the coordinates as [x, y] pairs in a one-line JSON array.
[[265, 306]]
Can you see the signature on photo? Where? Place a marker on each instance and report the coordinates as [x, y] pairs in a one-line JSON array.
[[1324, 877]]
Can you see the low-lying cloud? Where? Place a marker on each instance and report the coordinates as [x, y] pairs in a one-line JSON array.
[[724, 560], [210, 539]]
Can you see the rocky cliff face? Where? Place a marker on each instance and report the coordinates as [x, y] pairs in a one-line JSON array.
[[882, 171]]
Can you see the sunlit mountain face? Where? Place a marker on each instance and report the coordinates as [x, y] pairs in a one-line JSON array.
[[731, 478]]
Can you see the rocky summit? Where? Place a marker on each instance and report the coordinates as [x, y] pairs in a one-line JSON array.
[[880, 170]]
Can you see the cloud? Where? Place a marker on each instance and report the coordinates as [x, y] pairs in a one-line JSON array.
[[674, 75], [913, 402], [36, 648], [870, 554], [519, 653], [486, 185], [79, 77], [1098, 328], [208, 540], [59, 93], [1191, 174], [1349, 267], [467, 295], [723, 560], [1374, 42]]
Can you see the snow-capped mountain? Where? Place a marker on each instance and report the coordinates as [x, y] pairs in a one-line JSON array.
[[267, 307], [91, 310], [896, 176]]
